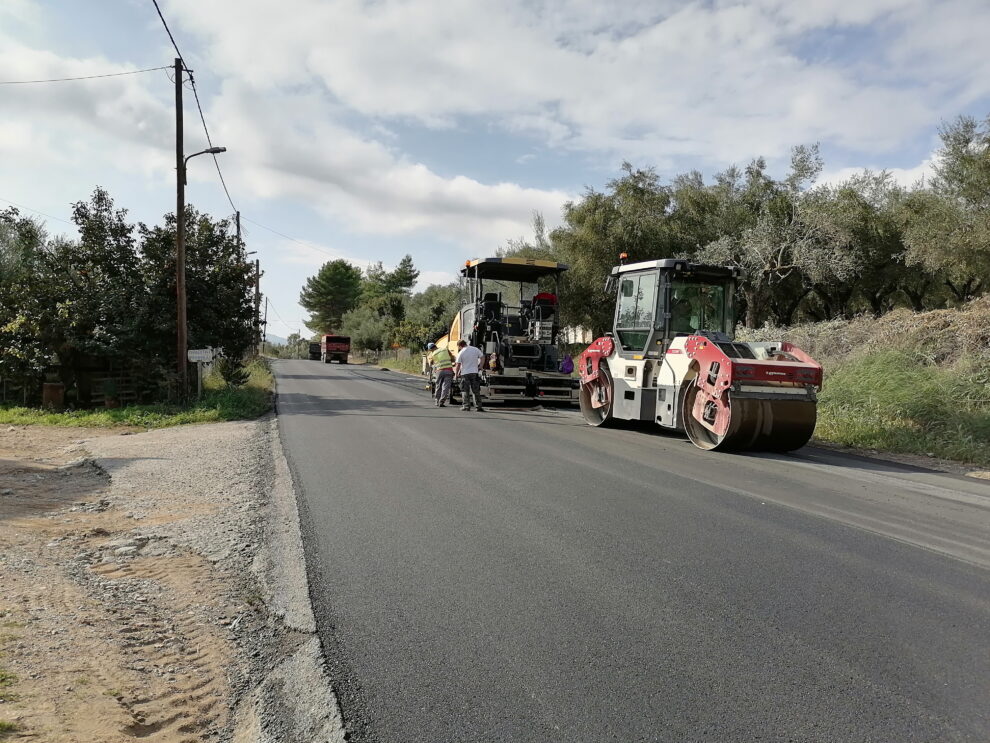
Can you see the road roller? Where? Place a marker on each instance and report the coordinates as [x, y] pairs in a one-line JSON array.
[[671, 358]]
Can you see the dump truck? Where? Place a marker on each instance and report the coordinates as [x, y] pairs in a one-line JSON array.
[[510, 311], [315, 352], [334, 348], [671, 358]]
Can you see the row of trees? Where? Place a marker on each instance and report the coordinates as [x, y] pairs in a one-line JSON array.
[[810, 252], [108, 297], [376, 307]]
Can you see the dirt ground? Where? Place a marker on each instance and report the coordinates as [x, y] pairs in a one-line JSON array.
[[106, 634]]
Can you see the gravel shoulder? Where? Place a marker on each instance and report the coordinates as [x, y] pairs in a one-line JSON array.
[[154, 588]]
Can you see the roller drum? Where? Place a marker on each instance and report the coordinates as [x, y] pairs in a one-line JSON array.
[[754, 424]]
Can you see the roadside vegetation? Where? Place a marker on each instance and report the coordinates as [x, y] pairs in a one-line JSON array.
[[916, 383], [412, 365], [96, 313], [221, 401]]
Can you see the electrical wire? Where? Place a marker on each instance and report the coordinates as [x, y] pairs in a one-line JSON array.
[[287, 237], [209, 141], [199, 107], [21, 206], [277, 313], [171, 38], [83, 77]]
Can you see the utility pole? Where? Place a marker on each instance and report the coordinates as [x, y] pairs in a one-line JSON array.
[[180, 236], [264, 337], [257, 304]]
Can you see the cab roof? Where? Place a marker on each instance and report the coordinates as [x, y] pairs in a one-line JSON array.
[[679, 265], [512, 269]]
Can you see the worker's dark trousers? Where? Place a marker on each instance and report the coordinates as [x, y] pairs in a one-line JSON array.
[[470, 385], [445, 380]]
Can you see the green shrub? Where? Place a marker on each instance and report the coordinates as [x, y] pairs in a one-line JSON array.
[[903, 402], [231, 371]]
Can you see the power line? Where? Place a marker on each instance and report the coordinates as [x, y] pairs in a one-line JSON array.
[[171, 38], [199, 107], [279, 316], [208, 140], [83, 77], [287, 237], [21, 206]]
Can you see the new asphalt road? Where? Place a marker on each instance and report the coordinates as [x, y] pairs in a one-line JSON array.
[[515, 575]]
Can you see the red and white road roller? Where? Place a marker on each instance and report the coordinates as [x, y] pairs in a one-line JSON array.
[[671, 359]]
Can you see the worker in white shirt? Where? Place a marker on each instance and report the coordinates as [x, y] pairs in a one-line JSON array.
[[467, 366]]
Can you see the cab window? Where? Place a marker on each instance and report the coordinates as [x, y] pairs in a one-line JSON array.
[[637, 302], [697, 306]]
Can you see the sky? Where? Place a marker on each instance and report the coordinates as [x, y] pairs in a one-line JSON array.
[[369, 129]]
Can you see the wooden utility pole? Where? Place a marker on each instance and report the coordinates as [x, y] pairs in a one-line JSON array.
[[180, 237], [264, 337], [257, 304]]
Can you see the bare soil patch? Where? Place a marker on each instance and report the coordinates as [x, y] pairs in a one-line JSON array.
[[112, 628]]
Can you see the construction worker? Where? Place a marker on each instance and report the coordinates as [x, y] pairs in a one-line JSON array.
[[443, 373], [467, 366]]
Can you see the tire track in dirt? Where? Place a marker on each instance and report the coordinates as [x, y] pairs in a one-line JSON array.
[[184, 645]]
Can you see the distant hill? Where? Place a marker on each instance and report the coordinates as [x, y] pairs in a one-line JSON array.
[[275, 340]]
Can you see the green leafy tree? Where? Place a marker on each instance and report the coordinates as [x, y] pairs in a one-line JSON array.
[[334, 291], [231, 371], [386, 292], [23, 355], [93, 293], [403, 278], [630, 217], [428, 315], [296, 347], [368, 330], [219, 287], [947, 226]]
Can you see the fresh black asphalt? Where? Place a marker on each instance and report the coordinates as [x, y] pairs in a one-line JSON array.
[[515, 575]]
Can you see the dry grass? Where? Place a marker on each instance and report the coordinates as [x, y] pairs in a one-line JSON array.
[[907, 382], [941, 336]]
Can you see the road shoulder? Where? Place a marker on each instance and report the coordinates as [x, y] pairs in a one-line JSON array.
[[154, 585]]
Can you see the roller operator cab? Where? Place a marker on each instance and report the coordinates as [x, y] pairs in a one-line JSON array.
[[671, 359], [509, 310]]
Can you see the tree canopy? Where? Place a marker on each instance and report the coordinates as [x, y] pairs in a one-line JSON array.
[[109, 296], [809, 250], [333, 291]]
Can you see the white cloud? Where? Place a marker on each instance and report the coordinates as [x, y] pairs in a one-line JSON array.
[[430, 278], [715, 82], [307, 253], [906, 177], [281, 144], [290, 145], [313, 95]]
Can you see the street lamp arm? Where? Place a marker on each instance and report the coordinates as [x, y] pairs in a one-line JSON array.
[[207, 151]]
